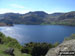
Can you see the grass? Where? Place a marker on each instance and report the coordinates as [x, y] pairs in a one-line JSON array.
[[9, 42], [17, 52]]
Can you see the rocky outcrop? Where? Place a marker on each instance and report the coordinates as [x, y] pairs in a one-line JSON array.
[[65, 46], [1, 42], [10, 51]]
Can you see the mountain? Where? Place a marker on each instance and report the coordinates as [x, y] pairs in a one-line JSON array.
[[9, 18], [56, 14], [52, 17], [69, 15], [34, 17], [38, 17], [28, 18], [38, 13], [67, 18]]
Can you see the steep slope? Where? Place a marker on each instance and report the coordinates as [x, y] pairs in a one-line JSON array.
[[10, 47]]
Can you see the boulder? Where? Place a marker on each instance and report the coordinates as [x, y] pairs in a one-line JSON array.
[[10, 51], [1, 42], [65, 46]]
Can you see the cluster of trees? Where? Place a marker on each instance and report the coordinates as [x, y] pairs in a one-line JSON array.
[[37, 49]]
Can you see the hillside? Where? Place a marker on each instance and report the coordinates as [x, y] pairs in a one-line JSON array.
[[10, 47], [38, 17], [67, 18], [17, 52]]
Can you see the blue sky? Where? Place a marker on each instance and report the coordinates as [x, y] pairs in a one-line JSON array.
[[24, 6]]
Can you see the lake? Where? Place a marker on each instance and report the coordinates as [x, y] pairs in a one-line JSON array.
[[38, 33]]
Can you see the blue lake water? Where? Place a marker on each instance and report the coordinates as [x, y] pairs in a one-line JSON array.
[[38, 33]]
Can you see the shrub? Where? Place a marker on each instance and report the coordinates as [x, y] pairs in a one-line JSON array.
[[56, 44], [9, 41], [36, 49], [70, 38]]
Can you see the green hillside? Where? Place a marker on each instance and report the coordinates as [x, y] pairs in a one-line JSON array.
[[6, 43]]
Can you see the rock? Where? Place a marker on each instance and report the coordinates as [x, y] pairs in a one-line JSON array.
[[1, 42], [10, 51], [65, 46]]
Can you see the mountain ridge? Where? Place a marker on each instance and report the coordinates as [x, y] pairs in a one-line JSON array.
[[39, 17]]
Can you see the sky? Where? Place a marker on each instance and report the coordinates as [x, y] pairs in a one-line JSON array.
[[24, 6]]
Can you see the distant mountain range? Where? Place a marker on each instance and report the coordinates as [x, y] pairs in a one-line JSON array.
[[38, 18]]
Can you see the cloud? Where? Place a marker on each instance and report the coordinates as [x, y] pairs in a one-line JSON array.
[[17, 6], [6, 10]]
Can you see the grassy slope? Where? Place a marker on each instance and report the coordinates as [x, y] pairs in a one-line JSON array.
[[9, 42], [16, 52]]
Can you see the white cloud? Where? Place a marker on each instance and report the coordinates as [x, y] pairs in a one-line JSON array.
[[17, 6], [5, 10]]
